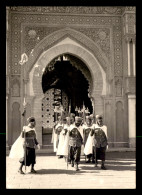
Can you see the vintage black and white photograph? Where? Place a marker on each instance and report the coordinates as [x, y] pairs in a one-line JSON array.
[[70, 97]]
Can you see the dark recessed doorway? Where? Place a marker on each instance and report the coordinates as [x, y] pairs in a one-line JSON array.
[[60, 74]]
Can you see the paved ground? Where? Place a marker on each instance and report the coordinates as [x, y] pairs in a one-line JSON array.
[[52, 173]]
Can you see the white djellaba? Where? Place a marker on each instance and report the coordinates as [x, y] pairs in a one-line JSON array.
[[65, 147], [54, 140], [55, 136], [90, 141], [17, 149], [89, 145], [80, 128], [61, 143]]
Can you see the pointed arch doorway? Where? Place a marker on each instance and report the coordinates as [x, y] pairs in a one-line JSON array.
[[80, 57], [64, 81]]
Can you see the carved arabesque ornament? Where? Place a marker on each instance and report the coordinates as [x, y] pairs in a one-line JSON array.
[[56, 22], [101, 36], [15, 86], [118, 86], [33, 35], [69, 9], [129, 23], [57, 36]]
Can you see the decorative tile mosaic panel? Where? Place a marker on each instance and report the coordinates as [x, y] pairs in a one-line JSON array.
[[30, 29]]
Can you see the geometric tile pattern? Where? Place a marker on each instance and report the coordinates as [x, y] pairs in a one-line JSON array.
[[103, 30]]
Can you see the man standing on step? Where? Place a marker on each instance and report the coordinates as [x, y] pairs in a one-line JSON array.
[[100, 140], [75, 142]]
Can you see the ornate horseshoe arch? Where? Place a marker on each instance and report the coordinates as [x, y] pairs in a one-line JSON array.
[[61, 42], [96, 73], [79, 45]]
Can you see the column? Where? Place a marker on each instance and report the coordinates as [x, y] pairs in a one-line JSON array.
[[7, 73], [134, 60], [132, 120], [128, 46], [7, 122]]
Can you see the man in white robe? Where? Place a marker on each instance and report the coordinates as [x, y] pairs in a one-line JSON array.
[[61, 142], [86, 131], [100, 141], [65, 150], [56, 135]]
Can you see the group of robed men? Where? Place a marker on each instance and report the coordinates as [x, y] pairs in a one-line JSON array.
[[73, 137], [68, 137]]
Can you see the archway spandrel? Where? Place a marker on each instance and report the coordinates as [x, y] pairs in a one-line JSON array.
[[57, 36]]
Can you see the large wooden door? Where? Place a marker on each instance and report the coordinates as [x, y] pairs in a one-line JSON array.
[[48, 116]]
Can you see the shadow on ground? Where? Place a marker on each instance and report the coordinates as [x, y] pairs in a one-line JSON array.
[[118, 161], [58, 171], [111, 165]]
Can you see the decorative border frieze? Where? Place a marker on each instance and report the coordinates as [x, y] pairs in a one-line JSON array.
[[113, 10]]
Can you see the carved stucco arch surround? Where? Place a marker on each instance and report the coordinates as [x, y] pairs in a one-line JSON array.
[[79, 45], [75, 50]]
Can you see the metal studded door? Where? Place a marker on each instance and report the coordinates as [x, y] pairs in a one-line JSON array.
[[48, 109], [51, 96]]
